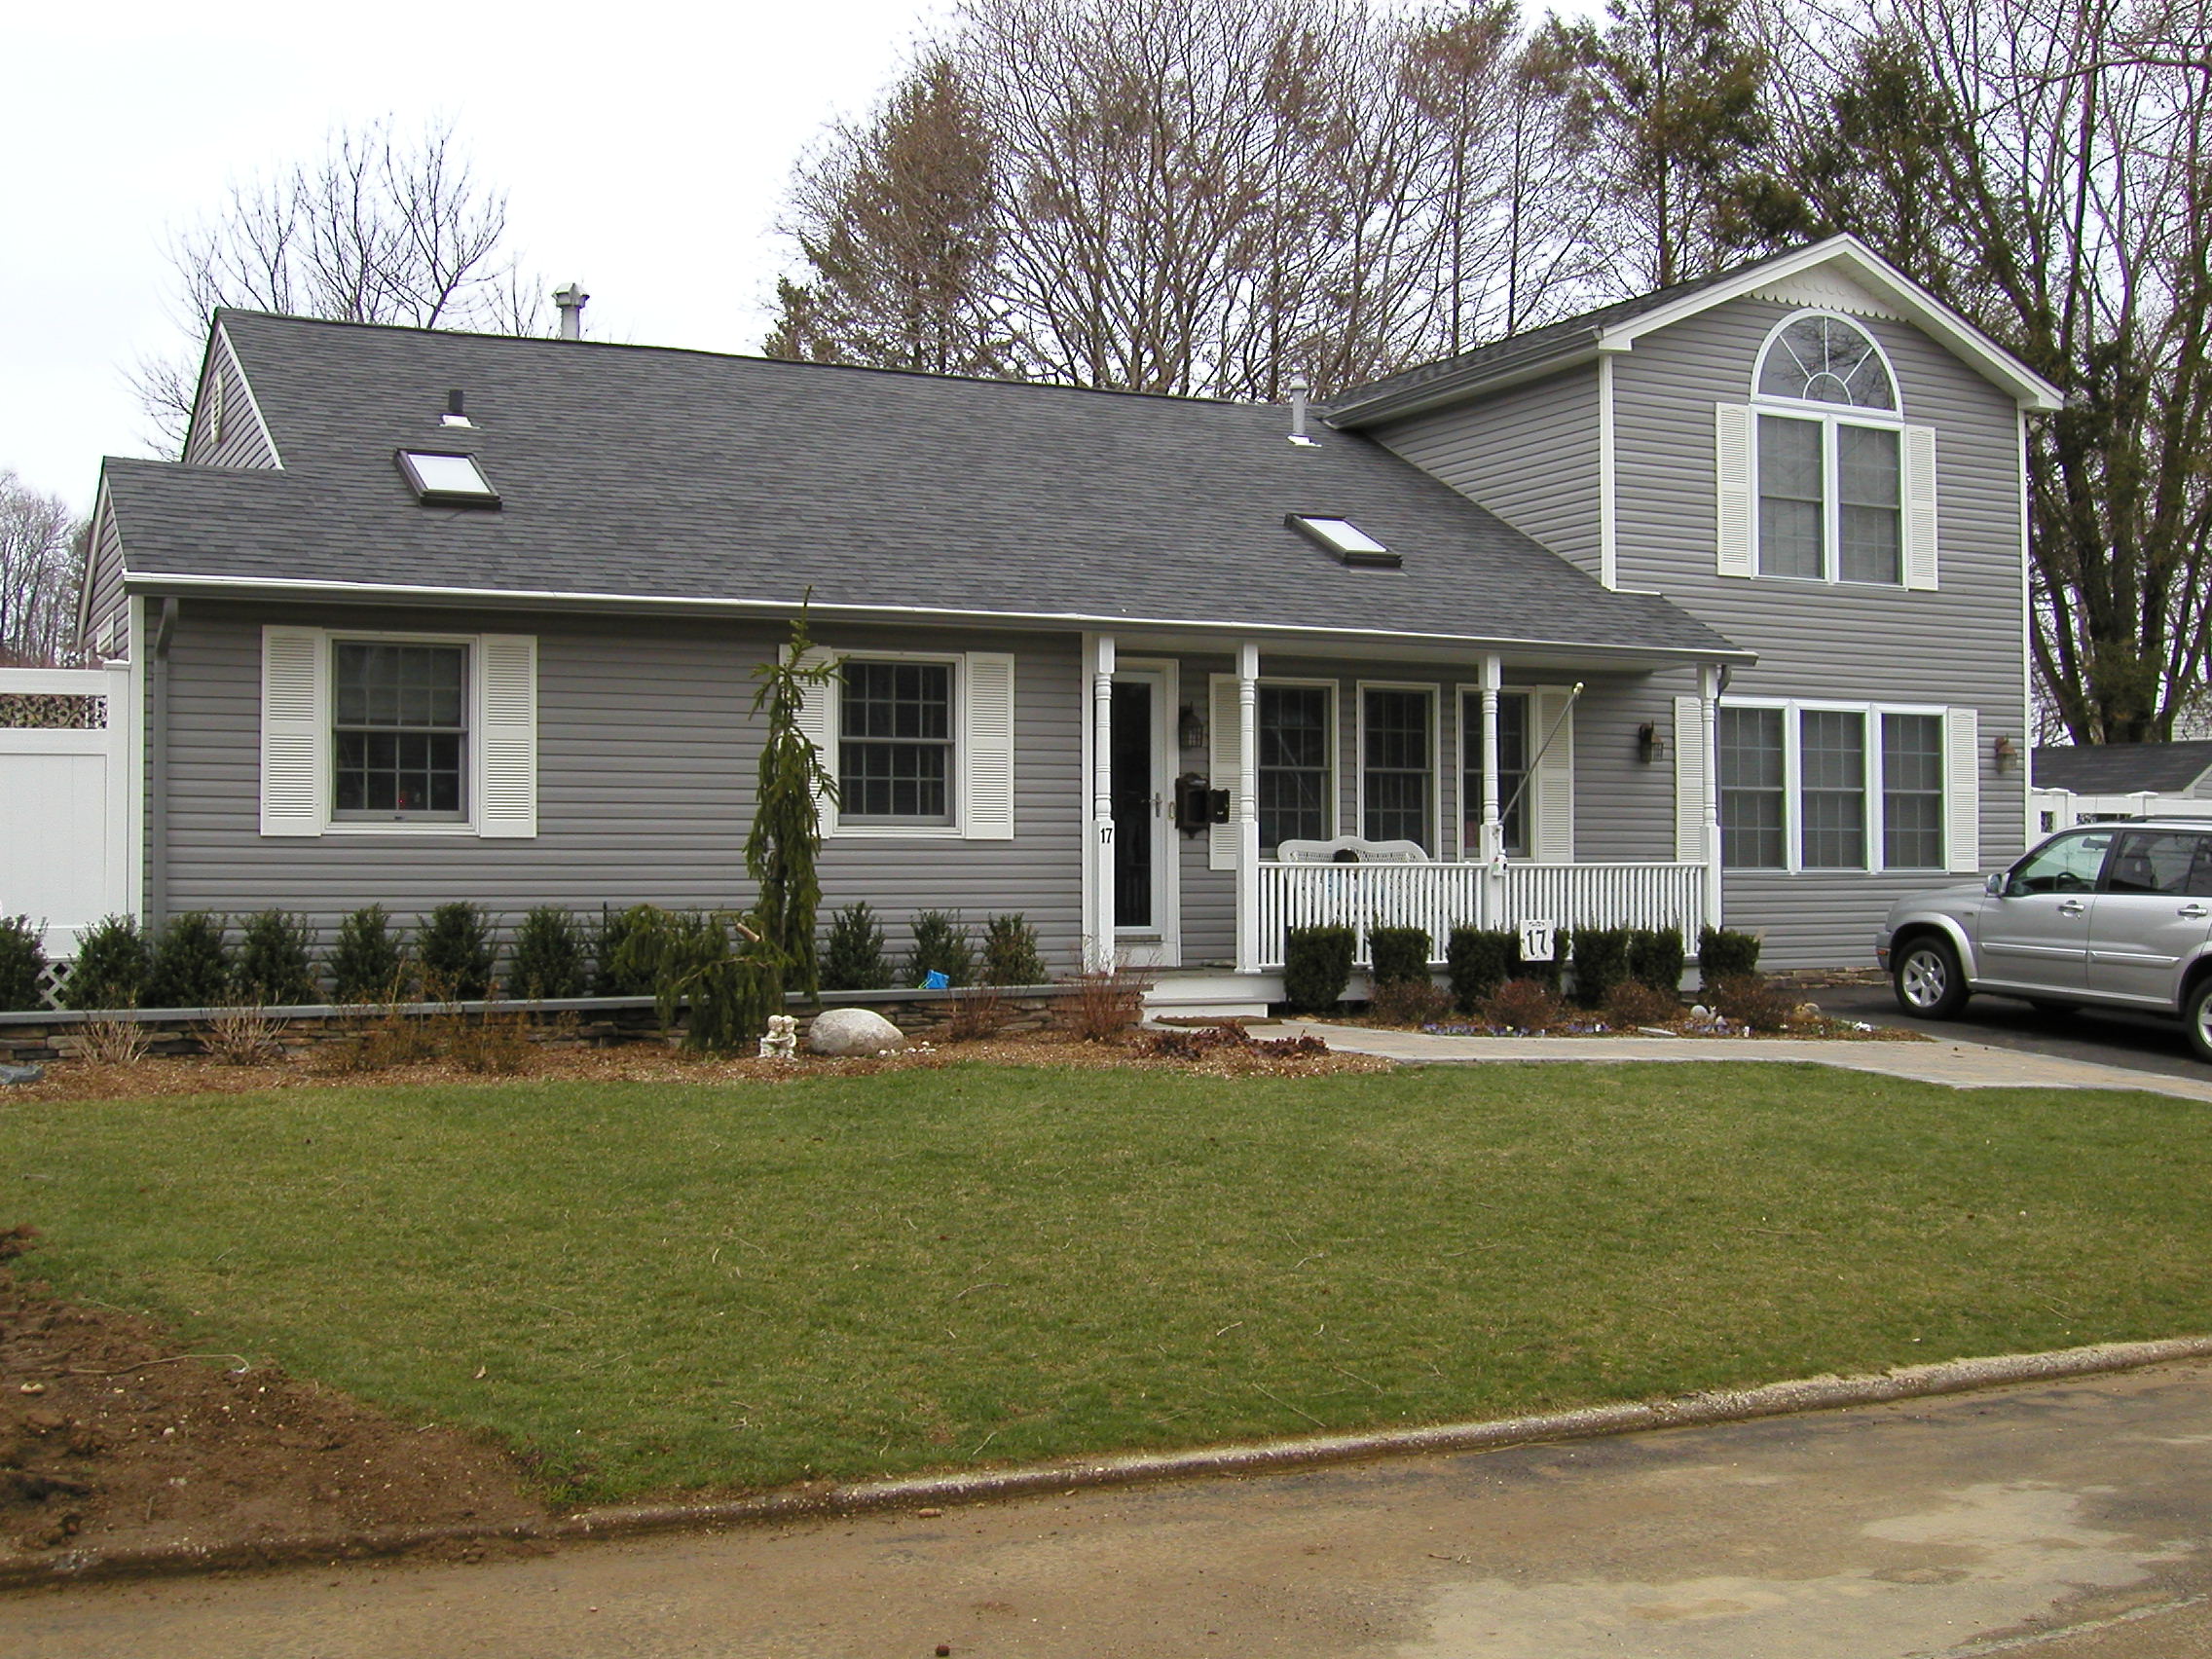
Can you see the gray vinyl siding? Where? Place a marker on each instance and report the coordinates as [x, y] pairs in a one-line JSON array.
[[1958, 646], [239, 439], [103, 577], [1529, 455], [648, 751]]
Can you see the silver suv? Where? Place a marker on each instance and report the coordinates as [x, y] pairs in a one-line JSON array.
[[2119, 915]]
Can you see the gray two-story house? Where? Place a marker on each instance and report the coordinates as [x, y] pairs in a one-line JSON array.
[[1708, 607]]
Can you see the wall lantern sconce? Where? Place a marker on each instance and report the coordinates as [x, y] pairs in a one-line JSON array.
[[1651, 742], [2007, 754], [1189, 730]]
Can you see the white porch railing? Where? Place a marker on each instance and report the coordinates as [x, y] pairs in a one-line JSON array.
[[1441, 896]]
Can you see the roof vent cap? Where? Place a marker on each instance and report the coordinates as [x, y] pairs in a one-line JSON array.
[[455, 414], [1299, 387], [571, 300]]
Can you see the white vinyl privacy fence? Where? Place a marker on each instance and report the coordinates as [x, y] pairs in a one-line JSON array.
[[65, 798]]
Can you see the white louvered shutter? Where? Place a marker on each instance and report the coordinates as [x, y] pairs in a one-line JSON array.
[[295, 731], [1689, 781], [1920, 507], [1227, 764], [818, 721], [1962, 790], [1735, 498], [506, 736], [989, 763], [1552, 789]]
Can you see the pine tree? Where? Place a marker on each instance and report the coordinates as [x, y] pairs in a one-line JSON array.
[[787, 833]]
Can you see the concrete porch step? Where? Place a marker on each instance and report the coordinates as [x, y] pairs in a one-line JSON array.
[[1180, 994]]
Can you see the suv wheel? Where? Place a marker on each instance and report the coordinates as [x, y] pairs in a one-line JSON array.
[[2197, 1017], [1926, 976]]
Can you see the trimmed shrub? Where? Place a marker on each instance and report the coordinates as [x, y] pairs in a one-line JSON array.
[[1748, 998], [1317, 967], [616, 970], [189, 966], [1411, 1003], [1600, 961], [23, 958], [1398, 956], [1525, 1005], [1655, 958], [548, 956], [367, 963], [1011, 956], [455, 953], [1724, 953], [110, 970], [271, 967], [853, 958], [1631, 1003], [941, 944], [1479, 960]]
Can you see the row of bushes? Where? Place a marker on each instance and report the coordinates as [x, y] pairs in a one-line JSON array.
[[1318, 961], [269, 959]]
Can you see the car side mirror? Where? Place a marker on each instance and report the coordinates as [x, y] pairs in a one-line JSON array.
[[1994, 885]]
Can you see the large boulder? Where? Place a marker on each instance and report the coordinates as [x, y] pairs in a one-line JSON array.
[[852, 1031]]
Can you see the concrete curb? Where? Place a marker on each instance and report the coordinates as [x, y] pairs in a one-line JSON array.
[[1773, 1399]]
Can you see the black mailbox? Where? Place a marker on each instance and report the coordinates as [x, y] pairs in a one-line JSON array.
[[1196, 805]]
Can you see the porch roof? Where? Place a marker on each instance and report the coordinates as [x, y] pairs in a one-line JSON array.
[[645, 476]]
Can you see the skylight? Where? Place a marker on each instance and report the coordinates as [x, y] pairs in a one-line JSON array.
[[447, 480], [1346, 539]]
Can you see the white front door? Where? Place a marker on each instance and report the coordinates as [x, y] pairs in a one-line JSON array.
[[1147, 930]]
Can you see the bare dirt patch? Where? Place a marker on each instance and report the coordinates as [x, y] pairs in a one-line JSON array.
[[115, 1439]]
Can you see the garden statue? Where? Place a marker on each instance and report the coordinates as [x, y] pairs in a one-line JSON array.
[[782, 1041]]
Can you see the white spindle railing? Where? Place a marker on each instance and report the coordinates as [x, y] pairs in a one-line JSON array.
[[1440, 896]]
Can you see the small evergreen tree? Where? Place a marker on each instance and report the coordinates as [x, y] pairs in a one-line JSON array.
[[454, 951], [548, 955], [367, 963], [731, 989], [853, 959], [940, 945], [272, 960], [110, 966], [190, 966], [787, 828], [22, 959], [1011, 956], [615, 971]]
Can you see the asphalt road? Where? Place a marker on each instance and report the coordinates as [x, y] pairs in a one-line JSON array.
[[2132, 1040], [2068, 1521]]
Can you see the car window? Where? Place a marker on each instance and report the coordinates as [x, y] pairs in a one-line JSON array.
[[2068, 865], [2166, 861]]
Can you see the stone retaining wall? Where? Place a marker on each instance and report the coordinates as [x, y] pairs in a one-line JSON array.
[[591, 1021]]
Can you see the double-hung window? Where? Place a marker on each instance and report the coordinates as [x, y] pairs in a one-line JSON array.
[[1831, 460], [400, 732], [1832, 787], [895, 747], [1297, 785], [1397, 762]]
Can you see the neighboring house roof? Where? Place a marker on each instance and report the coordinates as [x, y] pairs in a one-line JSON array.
[[1840, 272], [2122, 768], [645, 474]]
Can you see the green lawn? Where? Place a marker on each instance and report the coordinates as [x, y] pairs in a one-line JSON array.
[[682, 1286]]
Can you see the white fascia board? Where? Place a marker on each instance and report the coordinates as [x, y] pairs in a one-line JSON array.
[[2029, 390], [267, 587]]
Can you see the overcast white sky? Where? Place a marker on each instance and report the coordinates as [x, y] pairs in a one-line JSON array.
[[645, 147]]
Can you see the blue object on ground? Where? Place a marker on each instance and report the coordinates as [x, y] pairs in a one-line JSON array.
[[936, 980]]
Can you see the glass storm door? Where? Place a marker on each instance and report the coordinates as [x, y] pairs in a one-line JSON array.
[[1138, 808]]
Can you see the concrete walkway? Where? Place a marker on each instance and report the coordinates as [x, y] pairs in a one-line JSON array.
[[1955, 1064]]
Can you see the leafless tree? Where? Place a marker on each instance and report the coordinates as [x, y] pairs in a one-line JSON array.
[[41, 565], [385, 227]]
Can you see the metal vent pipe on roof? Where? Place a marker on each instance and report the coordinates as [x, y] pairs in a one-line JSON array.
[[572, 301], [1299, 387]]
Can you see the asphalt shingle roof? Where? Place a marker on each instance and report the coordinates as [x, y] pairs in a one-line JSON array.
[[648, 472], [2122, 768]]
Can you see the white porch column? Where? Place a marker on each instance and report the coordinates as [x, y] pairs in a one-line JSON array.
[[1098, 942], [1247, 807], [1708, 701], [1492, 850]]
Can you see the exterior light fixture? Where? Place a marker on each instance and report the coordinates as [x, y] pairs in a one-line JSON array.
[[2005, 753], [1189, 730], [1651, 742]]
